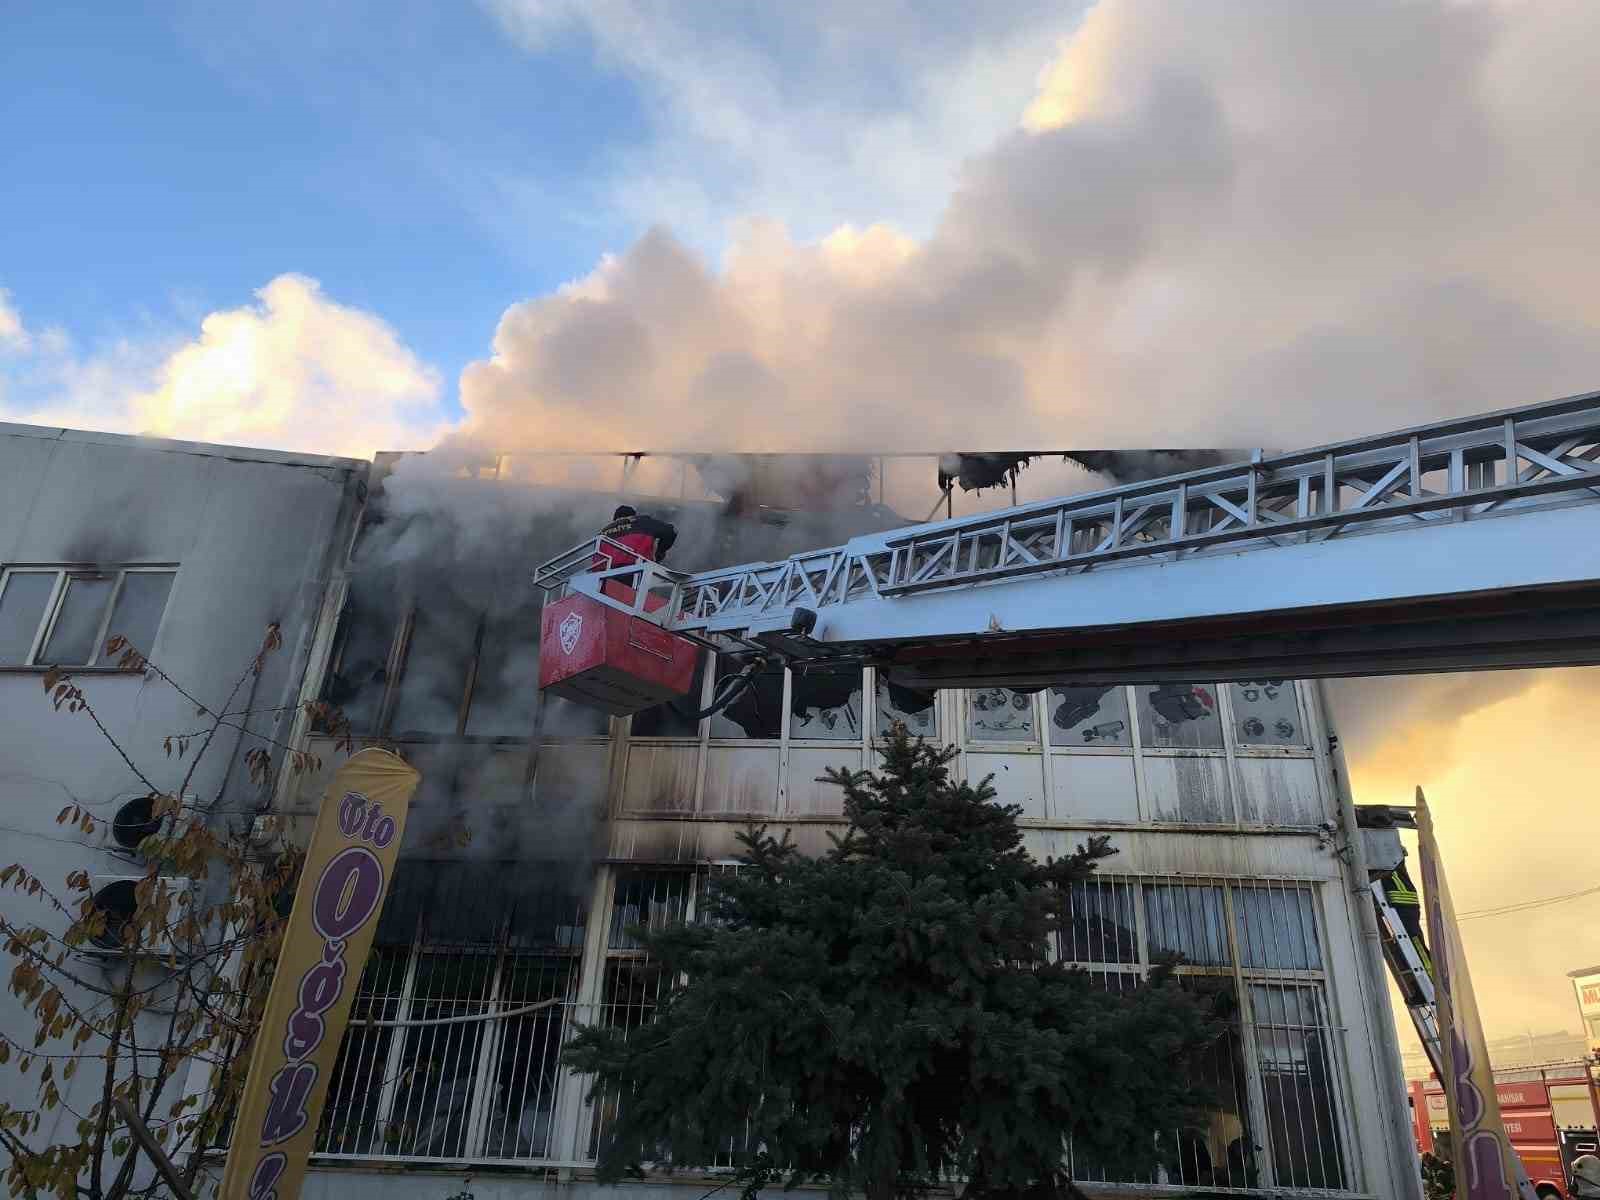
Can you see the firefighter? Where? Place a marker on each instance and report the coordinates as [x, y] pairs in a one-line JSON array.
[[1586, 1177], [639, 535]]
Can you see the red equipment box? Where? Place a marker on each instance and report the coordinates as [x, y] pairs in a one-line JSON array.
[[596, 655]]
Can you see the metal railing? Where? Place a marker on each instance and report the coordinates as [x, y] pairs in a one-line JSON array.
[[1456, 470]]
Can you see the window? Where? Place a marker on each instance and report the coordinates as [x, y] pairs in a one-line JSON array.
[[1001, 715], [452, 1050], [758, 712], [1179, 715], [1255, 946], [826, 705], [915, 708], [1092, 715], [462, 662], [1265, 713], [52, 616]]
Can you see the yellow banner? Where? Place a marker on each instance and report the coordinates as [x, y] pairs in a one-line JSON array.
[[349, 863], [1486, 1164]]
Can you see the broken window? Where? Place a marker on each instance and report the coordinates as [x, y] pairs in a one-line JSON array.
[[1179, 715], [1001, 714], [1265, 713], [505, 677], [915, 708], [1088, 715], [439, 650], [825, 705], [758, 712]]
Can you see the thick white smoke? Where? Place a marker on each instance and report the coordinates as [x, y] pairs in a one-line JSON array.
[[1234, 224]]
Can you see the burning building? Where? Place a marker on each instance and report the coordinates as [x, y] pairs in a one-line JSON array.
[[544, 832]]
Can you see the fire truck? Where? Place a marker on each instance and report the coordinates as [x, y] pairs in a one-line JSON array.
[[1528, 1097], [1467, 544]]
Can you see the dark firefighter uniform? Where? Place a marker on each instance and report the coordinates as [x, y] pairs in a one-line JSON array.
[[639, 536]]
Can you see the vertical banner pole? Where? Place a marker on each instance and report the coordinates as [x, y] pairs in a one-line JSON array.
[[350, 860], [1486, 1164]]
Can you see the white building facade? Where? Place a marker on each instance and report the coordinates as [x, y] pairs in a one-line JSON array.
[[191, 552]]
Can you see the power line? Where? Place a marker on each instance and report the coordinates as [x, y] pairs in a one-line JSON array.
[[1524, 906]]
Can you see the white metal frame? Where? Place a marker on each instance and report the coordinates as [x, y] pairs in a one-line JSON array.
[[1251, 1025], [1451, 471], [64, 574]]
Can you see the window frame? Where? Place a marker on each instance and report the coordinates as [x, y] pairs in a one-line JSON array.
[[387, 1059], [381, 728], [1251, 1025], [63, 574]]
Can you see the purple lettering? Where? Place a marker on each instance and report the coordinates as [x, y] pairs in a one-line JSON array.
[[348, 893], [287, 1109], [319, 991], [1486, 1168], [352, 811], [384, 834], [263, 1184]]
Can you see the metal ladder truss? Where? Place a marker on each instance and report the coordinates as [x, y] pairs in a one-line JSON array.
[[1462, 469]]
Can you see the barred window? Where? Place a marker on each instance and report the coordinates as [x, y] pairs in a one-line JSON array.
[[454, 1037], [1276, 1117]]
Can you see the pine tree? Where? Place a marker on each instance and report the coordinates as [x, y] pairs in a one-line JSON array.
[[887, 1016]]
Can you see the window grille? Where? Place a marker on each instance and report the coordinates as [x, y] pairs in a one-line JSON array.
[[1277, 1114], [454, 1038]]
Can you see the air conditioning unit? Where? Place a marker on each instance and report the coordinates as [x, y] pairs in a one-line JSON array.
[[117, 897]]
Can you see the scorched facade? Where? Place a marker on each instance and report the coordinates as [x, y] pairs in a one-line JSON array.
[[542, 835]]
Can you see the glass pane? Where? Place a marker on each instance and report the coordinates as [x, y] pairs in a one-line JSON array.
[[1088, 716], [1187, 919], [1100, 925], [350, 1119], [1265, 713], [758, 712], [523, 1103], [434, 678], [647, 899], [1297, 1085], [1179, 714], [72, 640], [1277, 928], [675, 719], [914, 708], [826, 705], [1001, 715], [21, 609], [434, 1098], [140, 603]]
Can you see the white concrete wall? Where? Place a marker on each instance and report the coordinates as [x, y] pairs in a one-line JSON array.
[[255, 537]]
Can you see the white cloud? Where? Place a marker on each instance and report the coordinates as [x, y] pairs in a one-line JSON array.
[[13, 337], [814, 115], [1275, 226], [294, 371]]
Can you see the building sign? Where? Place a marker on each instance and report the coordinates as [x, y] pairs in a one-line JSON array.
[[1487, 1168], [1587, 986], [349, 862]]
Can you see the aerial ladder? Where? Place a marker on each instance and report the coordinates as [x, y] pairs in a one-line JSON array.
[[1471, 543], [1465, 544]]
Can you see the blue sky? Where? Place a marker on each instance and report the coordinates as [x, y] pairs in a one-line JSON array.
[[172, 165], [434, 164]]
